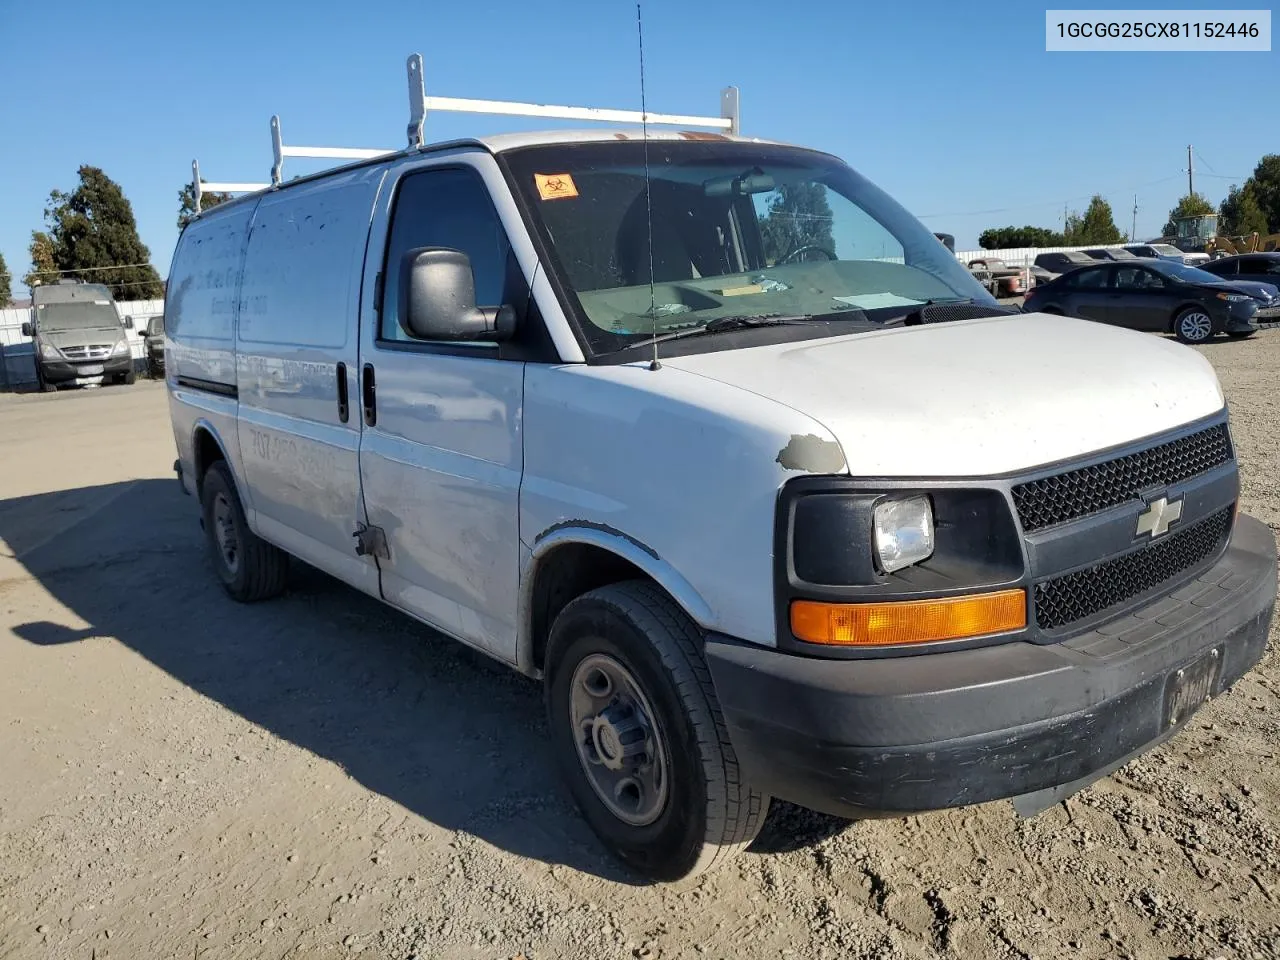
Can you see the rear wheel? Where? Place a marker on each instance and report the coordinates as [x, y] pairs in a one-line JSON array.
[[250, 568], [1193, 325], [639, 736]]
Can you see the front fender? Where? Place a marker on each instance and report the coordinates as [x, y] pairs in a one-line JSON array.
[[615, 541]]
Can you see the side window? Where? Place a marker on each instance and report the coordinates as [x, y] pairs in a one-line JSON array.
[[1093, 278], [1225, 268], [1137, 278], [444, 208], [1260, 265]]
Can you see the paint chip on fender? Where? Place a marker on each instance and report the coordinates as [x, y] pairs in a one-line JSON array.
[[812, 454]]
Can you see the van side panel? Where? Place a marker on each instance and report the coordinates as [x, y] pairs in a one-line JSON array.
[[298, 322], [200, 301]]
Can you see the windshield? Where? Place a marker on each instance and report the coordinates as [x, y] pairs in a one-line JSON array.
[[1189, 274], [1165, 250], [738, 229], [79, 315]]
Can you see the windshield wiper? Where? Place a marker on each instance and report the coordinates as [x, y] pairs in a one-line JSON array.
[[741, 322]]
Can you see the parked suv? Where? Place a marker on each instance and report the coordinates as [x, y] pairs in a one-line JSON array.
[[78, 336], [770, 495]]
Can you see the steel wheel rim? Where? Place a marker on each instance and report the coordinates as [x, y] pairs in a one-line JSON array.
[[1196, 326], [618, 742], [224, 532]]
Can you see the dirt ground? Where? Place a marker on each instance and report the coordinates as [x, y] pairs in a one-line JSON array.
[[319, 777]]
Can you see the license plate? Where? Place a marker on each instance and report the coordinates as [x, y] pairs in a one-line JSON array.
[[1188, 688], [89, 370]]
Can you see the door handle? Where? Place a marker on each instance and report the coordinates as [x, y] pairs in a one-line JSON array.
[[369, 393], [344, 408]]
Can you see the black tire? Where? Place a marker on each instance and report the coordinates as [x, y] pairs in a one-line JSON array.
[[259, 570], [130, 378], [1193, 325], [709, 814]]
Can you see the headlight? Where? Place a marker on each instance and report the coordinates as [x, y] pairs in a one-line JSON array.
[[1233, 297], [49, 352], [903, 532], [121, 347]]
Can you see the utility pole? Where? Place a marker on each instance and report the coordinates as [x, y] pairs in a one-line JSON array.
[[1191, 186], [1133, 234]]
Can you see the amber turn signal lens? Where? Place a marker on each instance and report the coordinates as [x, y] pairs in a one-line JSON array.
[[908, 621]]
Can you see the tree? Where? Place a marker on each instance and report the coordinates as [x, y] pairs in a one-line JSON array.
[[799, 216], [1096, 225], [1192, 205], [1266, 186], [1001, 238], [43, 268], [1240, 214], [187, 203], [93, 229], [6, 283]]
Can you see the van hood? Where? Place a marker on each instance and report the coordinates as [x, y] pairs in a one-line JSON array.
[[976, 397], [82, 336]]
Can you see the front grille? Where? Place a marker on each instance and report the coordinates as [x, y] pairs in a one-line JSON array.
[[1080, 492], [95, 351], [1064, 600]]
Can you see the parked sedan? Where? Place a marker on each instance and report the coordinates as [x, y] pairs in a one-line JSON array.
[[1061, 262], [1111, 253], [1253, 267], [1156, 295]]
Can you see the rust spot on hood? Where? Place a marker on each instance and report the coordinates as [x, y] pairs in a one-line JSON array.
[[701, 135], [812, 454]]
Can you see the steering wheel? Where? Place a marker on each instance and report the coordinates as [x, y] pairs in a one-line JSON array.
[[805, 249]]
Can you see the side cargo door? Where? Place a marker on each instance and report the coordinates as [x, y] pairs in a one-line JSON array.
[[297, 353], [441, 454]]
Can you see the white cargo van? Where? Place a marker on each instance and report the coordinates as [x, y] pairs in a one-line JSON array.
[[858, 538]]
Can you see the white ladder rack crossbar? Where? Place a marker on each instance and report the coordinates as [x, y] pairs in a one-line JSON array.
[[420, 103], [512, 109]]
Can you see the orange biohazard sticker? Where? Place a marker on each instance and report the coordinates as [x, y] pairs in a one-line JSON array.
[[555, 186]]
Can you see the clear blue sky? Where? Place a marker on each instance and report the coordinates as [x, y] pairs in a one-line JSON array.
[[954, 108]]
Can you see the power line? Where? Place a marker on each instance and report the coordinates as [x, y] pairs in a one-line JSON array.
[[118, 266], [1047, 203]]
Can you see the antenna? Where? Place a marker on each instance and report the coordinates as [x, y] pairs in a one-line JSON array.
[[648, 204]]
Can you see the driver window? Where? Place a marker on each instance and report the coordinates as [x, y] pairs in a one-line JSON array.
[[448, 207], [807, 221], [1136, 278]]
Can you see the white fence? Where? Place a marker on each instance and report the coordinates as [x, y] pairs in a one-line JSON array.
[[1021, 256], [17, 355]]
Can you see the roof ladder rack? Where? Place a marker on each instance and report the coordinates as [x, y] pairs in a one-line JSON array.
[[420, 104]]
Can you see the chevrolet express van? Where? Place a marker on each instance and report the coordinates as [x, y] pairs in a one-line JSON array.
[[78, 336], [717, 442]]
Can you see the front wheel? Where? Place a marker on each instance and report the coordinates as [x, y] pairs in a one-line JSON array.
[[250, 568], [1193, 325], [639, 735]]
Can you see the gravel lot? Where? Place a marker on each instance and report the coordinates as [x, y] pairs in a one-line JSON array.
[[181, 776]]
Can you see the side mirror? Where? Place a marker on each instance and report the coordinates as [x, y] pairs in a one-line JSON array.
[[27, 330], [128, 323], [438, 299]]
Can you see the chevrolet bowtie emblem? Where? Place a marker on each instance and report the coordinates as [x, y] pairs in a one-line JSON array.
[[1158, 517]]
